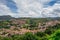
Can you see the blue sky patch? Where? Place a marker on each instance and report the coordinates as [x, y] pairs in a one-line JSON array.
[[11, 4]]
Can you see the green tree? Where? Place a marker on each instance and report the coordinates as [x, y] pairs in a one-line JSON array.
[[55, 36], [30, 36]]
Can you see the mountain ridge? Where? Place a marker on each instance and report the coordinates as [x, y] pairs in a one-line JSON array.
[[8, 17]]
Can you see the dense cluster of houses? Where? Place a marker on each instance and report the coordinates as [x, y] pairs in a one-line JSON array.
[[17, 30]]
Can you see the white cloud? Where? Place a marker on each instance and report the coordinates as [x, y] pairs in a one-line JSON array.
[[31, 8], [4, 10], [52, 11]]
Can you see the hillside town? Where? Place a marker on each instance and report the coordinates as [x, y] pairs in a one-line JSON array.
[[15, 26]]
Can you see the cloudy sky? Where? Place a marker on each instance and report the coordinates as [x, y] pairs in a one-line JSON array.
[[30, 8]]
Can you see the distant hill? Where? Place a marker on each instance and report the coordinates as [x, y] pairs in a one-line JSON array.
[[6, 17], [54, 18]]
